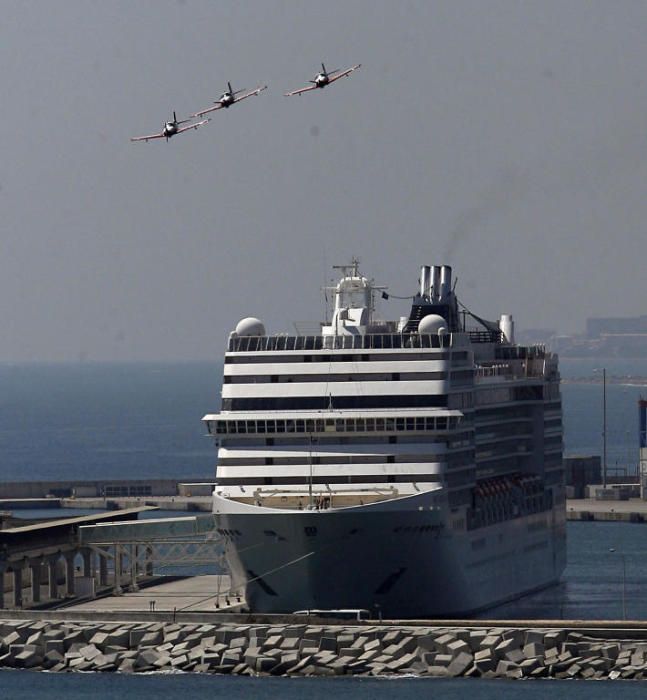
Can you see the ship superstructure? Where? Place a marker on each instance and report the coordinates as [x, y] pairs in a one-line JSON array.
[[412, 466]]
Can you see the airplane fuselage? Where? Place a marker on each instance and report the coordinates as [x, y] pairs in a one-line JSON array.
[[321, 80], [170, 129], [227, 99]]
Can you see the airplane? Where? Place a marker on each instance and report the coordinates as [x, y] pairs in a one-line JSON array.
[[228, 98], [171, 129], [324, 78]]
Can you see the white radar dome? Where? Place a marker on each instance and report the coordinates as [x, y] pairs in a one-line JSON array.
[[250, 326], [432, 324]]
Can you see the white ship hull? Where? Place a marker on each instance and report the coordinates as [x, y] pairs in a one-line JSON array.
[[401, 562], [431, 448]]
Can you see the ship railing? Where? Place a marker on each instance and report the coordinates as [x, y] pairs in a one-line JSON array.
[[494, 371], [515, 370], [321, 499], [481, 336], [372, 341], [521, 352]]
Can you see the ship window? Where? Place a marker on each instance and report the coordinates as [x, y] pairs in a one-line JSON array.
[[271, 426], [260, 426], [319, 425], [300, 426], [350, 425], [339, 425], [379, 424], [310, 426], [280, 426], [442, 423], [361, 426], [268, 480], [290, 426], [370, 425], [410, 423], [399, 423], [420, 423], [231, 426], [221, 427], [430, 423]]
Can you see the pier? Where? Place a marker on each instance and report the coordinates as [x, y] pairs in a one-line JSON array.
[[36, 558], [589, 510]]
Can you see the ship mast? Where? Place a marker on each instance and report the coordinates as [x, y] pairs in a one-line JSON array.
[[310, 502]]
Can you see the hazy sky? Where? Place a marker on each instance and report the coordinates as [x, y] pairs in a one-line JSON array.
[[508, 139]]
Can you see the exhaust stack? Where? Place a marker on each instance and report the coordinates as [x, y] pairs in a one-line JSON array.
[[425, 281], [445, 283], [435, 284]]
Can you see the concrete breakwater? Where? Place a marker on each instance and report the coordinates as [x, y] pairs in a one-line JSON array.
[[313, 650]]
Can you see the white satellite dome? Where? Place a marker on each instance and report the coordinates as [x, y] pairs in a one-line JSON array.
[[432, 324], [250, 326]]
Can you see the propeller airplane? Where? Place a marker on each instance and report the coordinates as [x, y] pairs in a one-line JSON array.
[[324, 78], [171, 128], [228, 98]]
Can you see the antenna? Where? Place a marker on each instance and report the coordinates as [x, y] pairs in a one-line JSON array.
[[310, 474]]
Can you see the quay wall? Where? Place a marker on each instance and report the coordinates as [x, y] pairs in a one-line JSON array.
[[63, 641], [609, 516], [108, 488]]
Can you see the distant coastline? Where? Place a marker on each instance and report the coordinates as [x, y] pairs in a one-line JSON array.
[[623, 380]]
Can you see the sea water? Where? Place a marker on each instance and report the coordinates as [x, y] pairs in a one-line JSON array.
[[18, 685]]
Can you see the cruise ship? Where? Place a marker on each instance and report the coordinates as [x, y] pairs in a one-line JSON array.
[[408, 467]]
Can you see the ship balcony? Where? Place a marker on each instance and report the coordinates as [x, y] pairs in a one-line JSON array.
[[322, 499], [510, 371]]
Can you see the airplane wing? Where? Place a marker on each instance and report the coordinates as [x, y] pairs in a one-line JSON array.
[[191, 126], [253, 92], [344, 73], [147, 138], [217, 105], [300, 91]]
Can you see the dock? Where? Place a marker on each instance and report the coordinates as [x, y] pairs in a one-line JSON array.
[[633, 510]]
